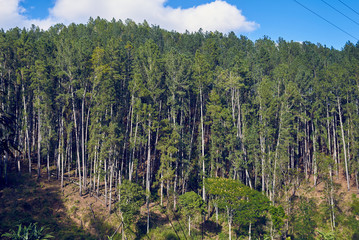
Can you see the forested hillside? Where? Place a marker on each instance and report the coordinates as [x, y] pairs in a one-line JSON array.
[[111, 104]]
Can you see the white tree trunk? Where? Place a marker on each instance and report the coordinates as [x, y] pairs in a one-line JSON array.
[[202, 147], [148, 190], [38, 142], [77, 140], [344, 146]]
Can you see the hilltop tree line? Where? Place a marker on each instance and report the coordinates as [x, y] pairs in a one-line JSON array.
[[108, 103]]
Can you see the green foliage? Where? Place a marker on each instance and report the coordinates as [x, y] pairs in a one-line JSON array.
[[304, 222], [243, 204], [110, 92], [325, 235], [31, 232], [132, 198], [192, 204], [277, 216], [355, 205]]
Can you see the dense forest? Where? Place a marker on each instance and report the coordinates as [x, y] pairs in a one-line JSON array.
[[203, 122]]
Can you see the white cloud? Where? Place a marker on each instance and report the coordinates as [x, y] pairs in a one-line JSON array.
[[217, 15], [10, 14]]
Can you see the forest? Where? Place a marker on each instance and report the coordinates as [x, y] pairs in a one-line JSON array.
[[211, 127]]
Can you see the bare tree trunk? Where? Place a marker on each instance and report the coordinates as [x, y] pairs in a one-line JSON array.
[[229, 223], [161, 188], [262, 143], [38, 142], [77, 140], [133, 151], [83, 141], [148, 190], [250, 231], [314, 154], [130, 139], [330, 174], [344, 145], [58, 164], [335, 153], [306, 151], [6, 159], [202, 148], [328, 132], [110, 198], [95, 168], [189, 225], [276, 153], [27, 143], [105, 170], [175, 187], [62, 166], [98, 179], [332, 198], [48, 161]]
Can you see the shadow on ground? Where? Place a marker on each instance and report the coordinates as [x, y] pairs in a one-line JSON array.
[[25, 200]]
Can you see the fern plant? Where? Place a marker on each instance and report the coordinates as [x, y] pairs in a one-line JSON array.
[[31, 232]]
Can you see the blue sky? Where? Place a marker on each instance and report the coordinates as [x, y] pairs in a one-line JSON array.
[[252, 18]]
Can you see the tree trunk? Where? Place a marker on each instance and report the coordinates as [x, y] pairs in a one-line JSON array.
[[27, 143], [48, 161], [110, 198], [161, 188], [38, 142], [305, 150], [105, 170], [335, 153], [6, 158], [276, 153], [189, 225], [262, 143], [130, 139], [344, 145], [77, 140], [148, 190], [175, 186], [332, 199], [133, 151], [314, 154], [250, 231], [229, 225], [83, 141], [202, 147]]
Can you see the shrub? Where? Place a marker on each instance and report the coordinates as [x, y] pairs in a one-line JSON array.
[[32, 232]]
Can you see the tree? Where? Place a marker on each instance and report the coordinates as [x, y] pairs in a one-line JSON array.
[[191, 204], [254, 207], [202, 75], [132, 198], [304, 221]]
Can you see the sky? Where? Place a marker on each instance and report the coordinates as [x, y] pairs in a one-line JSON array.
[[329, 22]]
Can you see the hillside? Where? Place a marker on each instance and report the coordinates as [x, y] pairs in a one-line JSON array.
[[132, 117], [66, 215]]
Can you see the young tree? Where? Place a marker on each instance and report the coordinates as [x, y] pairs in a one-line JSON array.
[[191, 204], [132, 198]]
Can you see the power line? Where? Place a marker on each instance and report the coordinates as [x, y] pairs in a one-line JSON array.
[[326, 20], [348, 6], [341, 12]]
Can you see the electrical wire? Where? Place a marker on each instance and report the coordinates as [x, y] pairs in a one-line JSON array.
[[340, 12], [348, 7], [339, 28]]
